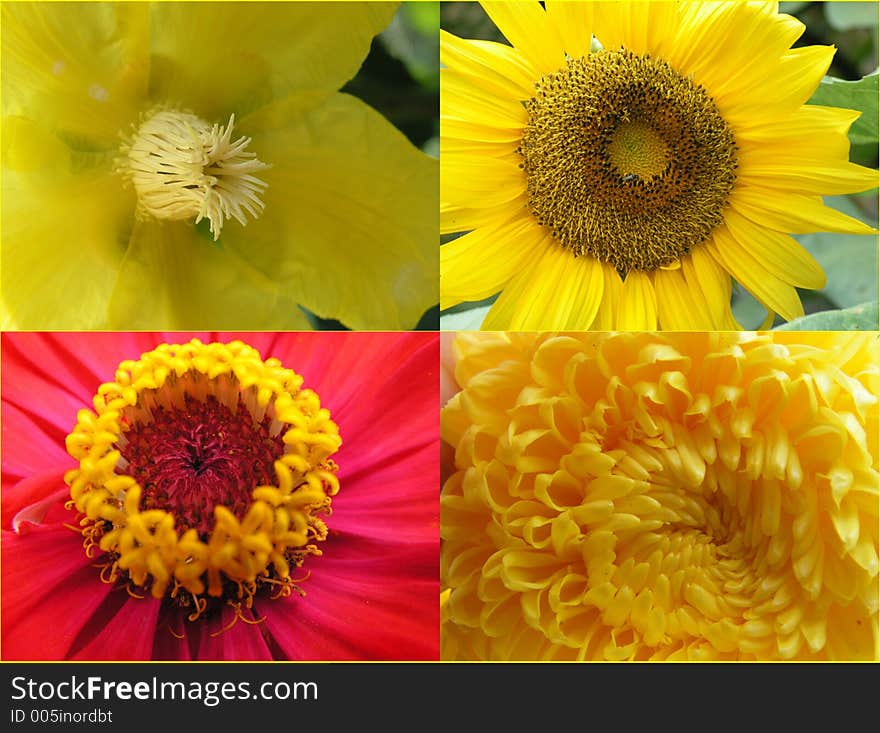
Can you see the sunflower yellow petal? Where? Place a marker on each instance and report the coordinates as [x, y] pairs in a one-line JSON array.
[[175, 277], [348, 235], [66, 221], [525, 25], [821, 176], [641, 27], [528, 304], [811, 132], [705, 276], [455, 219], [638, 303], [479, 264], [451, 146], [679, 306], [612, 289], [493, 65], [463, 130], [792, 80], [480, 182], [779, 253], [224, 58], [81, 69], [573, 22], [792, 212], [464, 99], [777, 295]]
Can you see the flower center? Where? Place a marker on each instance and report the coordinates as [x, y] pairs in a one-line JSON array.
[[189, 461], [203, 472], [636, 150], [184, 168], [626, 160]]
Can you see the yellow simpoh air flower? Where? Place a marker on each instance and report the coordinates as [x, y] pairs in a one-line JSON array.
[[173, 165], [622, 186], [662, 496]]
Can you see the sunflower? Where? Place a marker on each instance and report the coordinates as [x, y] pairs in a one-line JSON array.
[[643, 496], [619, 162], [187, 514], [192, 165]]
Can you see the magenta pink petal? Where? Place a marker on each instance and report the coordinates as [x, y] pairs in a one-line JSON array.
[[127, 635], [227, 638], [335, 621], [52, 553], [41, 488], [29, 445], [407, 506], [172, 638], [49, 627]]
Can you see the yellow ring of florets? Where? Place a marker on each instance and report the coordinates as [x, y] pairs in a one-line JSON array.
[[281, 523]]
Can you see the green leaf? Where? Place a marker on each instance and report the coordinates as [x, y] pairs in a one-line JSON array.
[[412, 38], [862, 317], [792, 8], [846, 16], [859, 95], [469, 320]]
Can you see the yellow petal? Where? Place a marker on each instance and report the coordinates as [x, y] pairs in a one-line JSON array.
[[64, 232], [475, 182], [612, 290], [458, 219], [777, 90], [223, 58], [528, 304], [479, 264], [679, 307], [810, 132], [822, 177], [79, 69], [775, 294], [175, 277], [464, 99], [705, 275], [778, 253], [525, 25], [573, 22], [792, 212], [494, 65], [638, 303], [641, 27], [350, 224]]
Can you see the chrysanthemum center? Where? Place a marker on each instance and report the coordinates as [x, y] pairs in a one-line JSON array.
[[627, 161], [203, 472], [185, 168]]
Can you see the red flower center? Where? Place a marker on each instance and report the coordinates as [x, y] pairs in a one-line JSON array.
[[204, 455]]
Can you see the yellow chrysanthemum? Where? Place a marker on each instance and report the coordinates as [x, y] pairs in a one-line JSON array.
[[174, 165], [650, 496], [621, 183]]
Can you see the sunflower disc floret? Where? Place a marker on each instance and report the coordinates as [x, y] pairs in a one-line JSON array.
[[234, 457], [630, 496]]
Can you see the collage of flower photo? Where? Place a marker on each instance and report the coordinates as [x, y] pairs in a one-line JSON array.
[[422, 331]]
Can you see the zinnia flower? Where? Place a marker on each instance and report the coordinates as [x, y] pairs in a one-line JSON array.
[[622, 186], [197, 523], [641, 496], [192, 165]]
